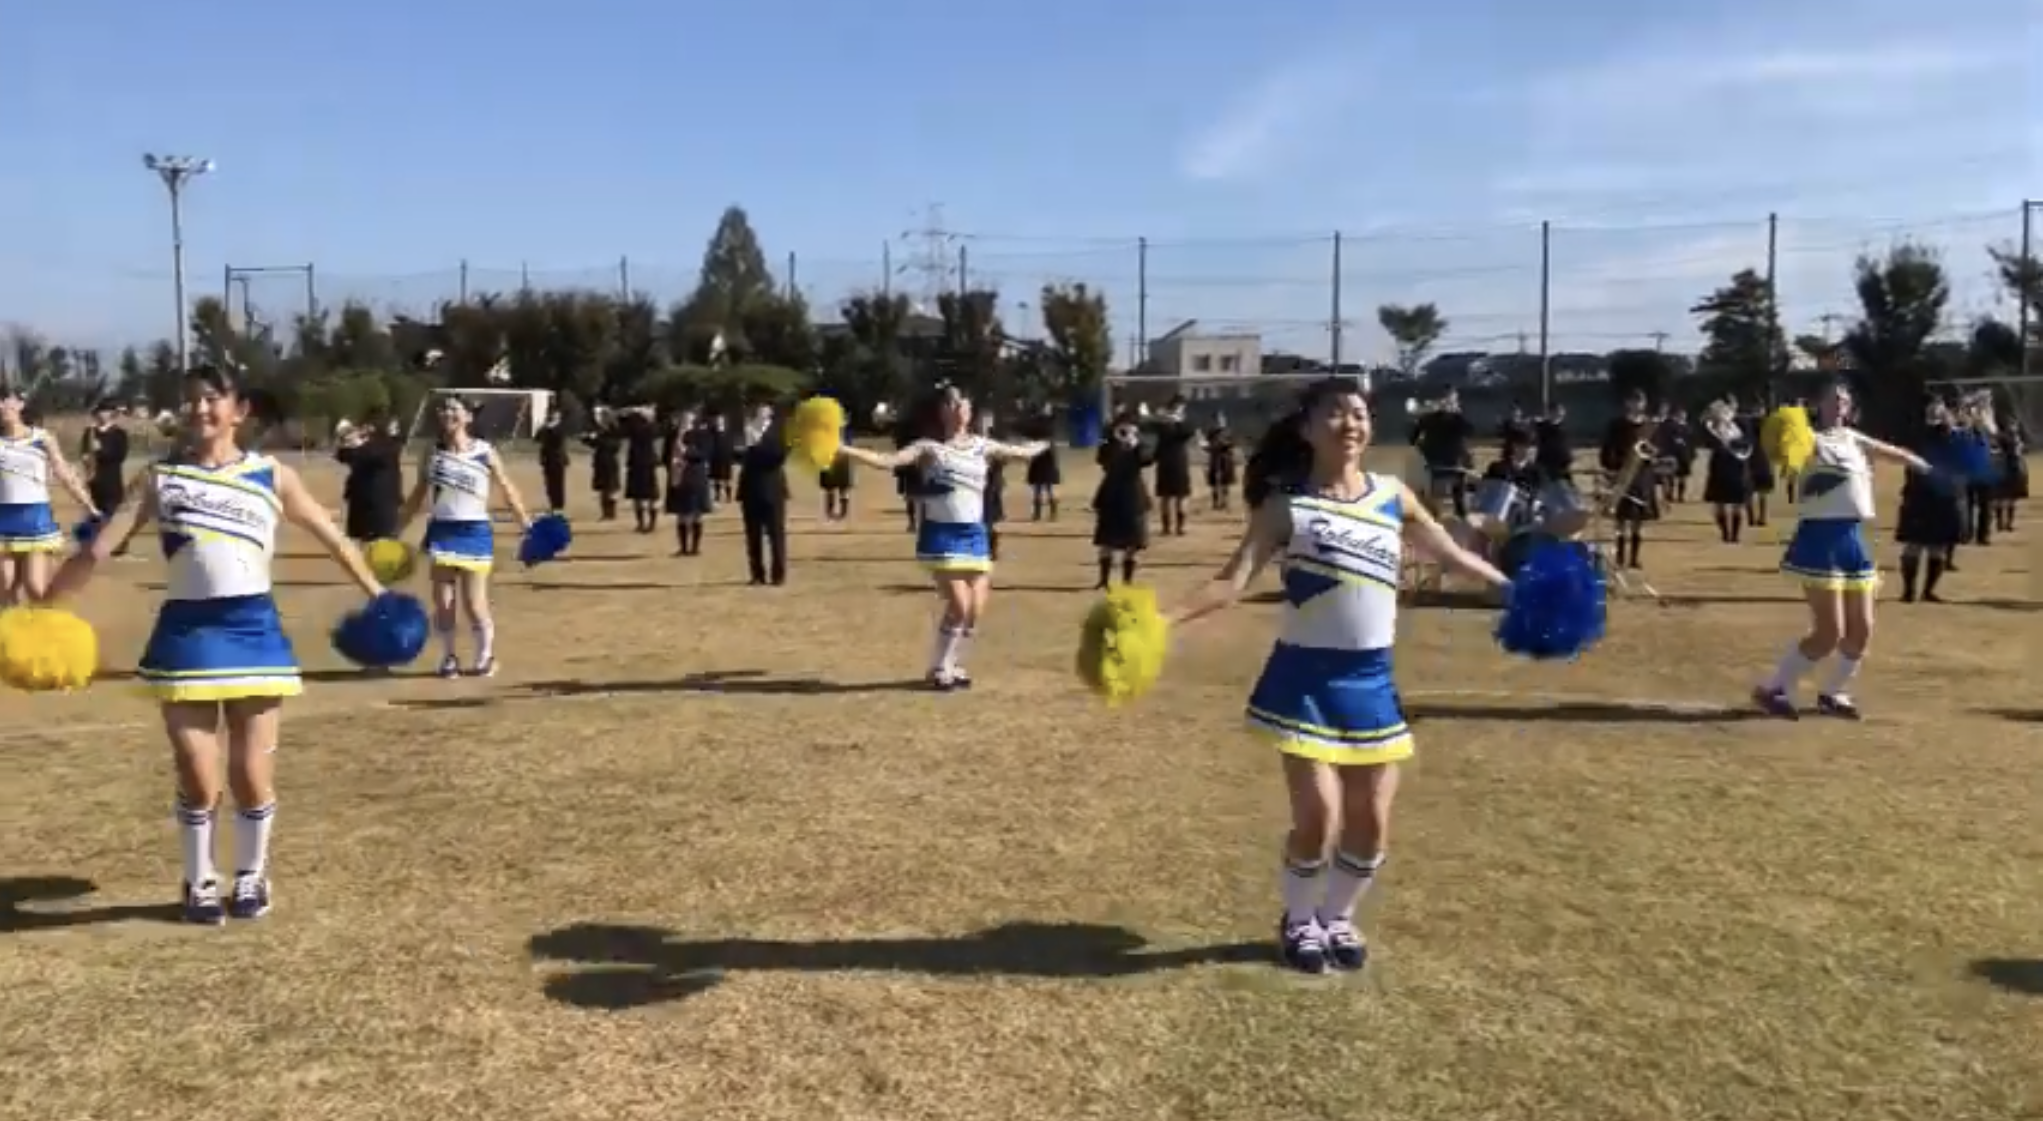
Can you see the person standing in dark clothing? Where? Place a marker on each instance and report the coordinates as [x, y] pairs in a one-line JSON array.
[[373, 494], [1221, 467], [1045, 473], [606, 445], [762, 499], [641, 466], [723, 457], [1555, 453], [908, 480], [1441, 437], [105, 454], [553, 460], [1174, 436], [1638, 502], [688, 487], [1121, 503]]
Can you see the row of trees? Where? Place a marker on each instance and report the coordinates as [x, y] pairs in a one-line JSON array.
[[1896, 348], [742, 335], [739, 336]]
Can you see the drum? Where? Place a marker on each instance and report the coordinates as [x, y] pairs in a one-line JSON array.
[[1561, 510], [1496, 501]]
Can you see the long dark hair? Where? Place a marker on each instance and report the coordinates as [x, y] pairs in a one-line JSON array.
[[924, 418], [1283, 457]]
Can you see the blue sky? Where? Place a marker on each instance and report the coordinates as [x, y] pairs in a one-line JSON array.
[[387, 142]]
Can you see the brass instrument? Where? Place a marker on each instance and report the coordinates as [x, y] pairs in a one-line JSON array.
[[1619, 490]]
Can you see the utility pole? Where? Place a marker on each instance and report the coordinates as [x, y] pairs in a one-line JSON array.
[[177, 172], [1659, 341]]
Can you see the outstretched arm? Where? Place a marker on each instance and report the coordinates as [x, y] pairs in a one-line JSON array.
[[1882, 450], [67, 477], [305, 512], [422, 484], [1265, 536], [1029, 450], [120, 528], [1425, 531], [913, 453]]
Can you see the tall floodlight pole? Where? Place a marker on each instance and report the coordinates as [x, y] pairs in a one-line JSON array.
[[177, 172]]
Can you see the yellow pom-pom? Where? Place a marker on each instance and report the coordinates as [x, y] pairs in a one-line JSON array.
[[1788, 438], [816, 431], [44, 649], [1122, 647], [391, 560]]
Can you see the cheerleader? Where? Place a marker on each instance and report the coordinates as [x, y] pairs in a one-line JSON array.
[[218, 659], [1121, 503], [1829, 554], [690, 492], [1727, 483], [951, 539], [1640, 502], [1173, 460], [606, 446], [29, 533], [1045, 473], [1932, 516], [458, 473], [1326, 695], [1220, 464]]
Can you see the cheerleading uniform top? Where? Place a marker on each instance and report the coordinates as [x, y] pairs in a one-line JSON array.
[[1341, 568], [954, 481], [461, 482], [25, 469], [1837, 481], [1326, 692], [218, 526]]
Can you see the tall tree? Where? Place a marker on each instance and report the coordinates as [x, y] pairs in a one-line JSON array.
[[875, 370], [359, 341], [134, 377], [165, 379], [732, 278], [1081, 338], [1902, 297], [1647, 372], [1742, 340], [2023, 279], [774, 330], [1414, 330]]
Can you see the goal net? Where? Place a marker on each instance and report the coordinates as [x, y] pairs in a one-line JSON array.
[[500, 416], [1249, 403]]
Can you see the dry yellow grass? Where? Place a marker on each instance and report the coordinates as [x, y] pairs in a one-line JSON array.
[[696, 854]]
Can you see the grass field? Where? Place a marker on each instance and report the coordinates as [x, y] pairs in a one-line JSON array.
[[702, 852]]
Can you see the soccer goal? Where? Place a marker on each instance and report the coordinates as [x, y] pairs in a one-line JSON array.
[[1249, 403], [499, 415]]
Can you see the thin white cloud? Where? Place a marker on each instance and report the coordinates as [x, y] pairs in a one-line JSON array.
[[1270, 118]]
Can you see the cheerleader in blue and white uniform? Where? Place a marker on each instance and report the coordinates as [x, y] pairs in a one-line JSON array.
[[29, 533], [458, 473], [951, 539], [218, 659], [1326, 697], [1832, 558]]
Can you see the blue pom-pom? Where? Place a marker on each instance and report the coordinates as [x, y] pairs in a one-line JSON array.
[[390, 630], [1966, 456], [548, 538], [1556, 607], [86, 531]]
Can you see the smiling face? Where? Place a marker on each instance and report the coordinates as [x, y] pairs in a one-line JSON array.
[[1338, 426], [213, 406], [453, 417]]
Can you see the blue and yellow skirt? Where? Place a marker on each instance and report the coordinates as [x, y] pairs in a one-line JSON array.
[[1831, 553], [30, 527], [1334, 706], [468, 546], [961, 547], [226, 649]]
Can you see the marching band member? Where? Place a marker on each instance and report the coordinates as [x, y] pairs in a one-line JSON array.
[[1556, 451], [1441, 436], [1727, 483], [1831, 557], [1174, 436], [1327, 697], [1640, 502], [29, 534], [1932, 516], [2014, 474], [1120, 504], [1221, 468]]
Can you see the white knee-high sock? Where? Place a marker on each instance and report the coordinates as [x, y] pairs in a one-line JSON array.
[[195, 837], [252, 838]]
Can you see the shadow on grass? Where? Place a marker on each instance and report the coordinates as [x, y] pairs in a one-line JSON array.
[[19, 892], [1579, 712], [2022, 976], [621, 967], [748, 682]]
